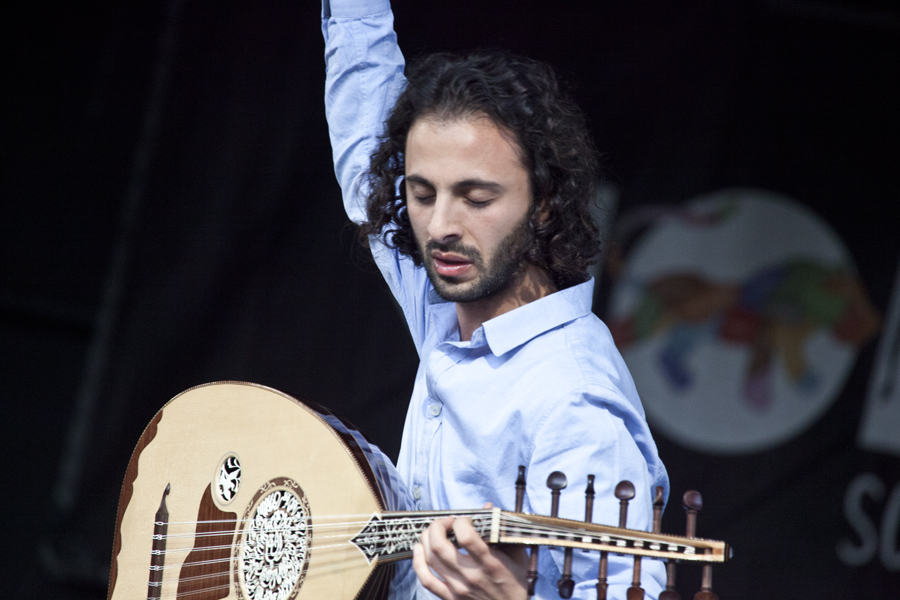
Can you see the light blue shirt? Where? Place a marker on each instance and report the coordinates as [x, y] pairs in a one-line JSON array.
[[541, 386]]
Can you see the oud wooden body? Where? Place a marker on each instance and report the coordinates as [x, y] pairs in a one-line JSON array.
[[235, 489], [274, 436]]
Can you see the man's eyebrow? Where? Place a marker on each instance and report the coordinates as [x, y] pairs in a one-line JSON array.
[[468, 184], [419, 180], [460, 187]]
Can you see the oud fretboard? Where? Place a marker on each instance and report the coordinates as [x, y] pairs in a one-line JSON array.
[[391, 536]]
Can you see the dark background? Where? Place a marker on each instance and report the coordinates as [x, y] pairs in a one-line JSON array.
[[170, 217]]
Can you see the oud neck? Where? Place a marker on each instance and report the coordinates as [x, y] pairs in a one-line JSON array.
[[391, 536]]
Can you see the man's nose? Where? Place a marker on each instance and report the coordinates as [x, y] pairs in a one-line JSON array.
[[445, 225]]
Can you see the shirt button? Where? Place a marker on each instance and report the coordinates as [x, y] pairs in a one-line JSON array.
[[417, 493], [435, 409]]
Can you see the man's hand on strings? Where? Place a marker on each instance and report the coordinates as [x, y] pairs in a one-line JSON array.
[[479, 573]]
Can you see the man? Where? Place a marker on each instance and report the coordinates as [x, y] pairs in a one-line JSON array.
[[475, 203]]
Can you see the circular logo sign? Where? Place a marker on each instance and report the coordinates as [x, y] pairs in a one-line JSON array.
[[739, 316]]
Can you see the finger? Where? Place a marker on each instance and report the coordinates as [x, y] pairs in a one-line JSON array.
[[426, 577], [500, 567], [436, 533], [470, 540], [440, 544], [440, 554], [518, 554], [454, 568]]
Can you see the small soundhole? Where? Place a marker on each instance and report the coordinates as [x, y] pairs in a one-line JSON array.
[[228, 481]]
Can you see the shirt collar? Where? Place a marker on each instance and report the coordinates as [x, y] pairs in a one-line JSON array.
[[514, 328]]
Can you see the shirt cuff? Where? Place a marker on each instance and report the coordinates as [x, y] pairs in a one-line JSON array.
[[353, 9]]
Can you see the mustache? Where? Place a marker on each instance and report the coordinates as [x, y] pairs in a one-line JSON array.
[[457, 247]]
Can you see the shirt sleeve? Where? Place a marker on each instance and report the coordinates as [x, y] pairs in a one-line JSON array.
[[585, 433], [364, 77]]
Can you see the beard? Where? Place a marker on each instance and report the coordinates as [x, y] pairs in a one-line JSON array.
[[497, 275]]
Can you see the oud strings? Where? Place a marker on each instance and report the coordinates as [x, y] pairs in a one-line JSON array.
[[337, 553]]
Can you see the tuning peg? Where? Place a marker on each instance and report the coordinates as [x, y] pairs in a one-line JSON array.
[[658, 503], [588, 517], [589, 500], [601, 575], [624, 492], [693, 502], [669, 593], [557, 482], [566, 585], [531, 577], [520, 489], [635, 592]]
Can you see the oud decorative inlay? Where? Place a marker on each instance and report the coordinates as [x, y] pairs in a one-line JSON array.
[[393, 535], [273, 553], [387, 536], [229, 480]]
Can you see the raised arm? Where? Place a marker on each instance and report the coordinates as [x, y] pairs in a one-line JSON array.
[[364, 77], [364, 69]]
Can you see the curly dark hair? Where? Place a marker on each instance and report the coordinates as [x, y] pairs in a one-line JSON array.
[[524, 97]]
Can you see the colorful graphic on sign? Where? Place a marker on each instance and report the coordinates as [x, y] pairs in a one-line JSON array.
[[740, 316]]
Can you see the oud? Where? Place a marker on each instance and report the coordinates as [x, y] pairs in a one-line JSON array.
[[238, 491]]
